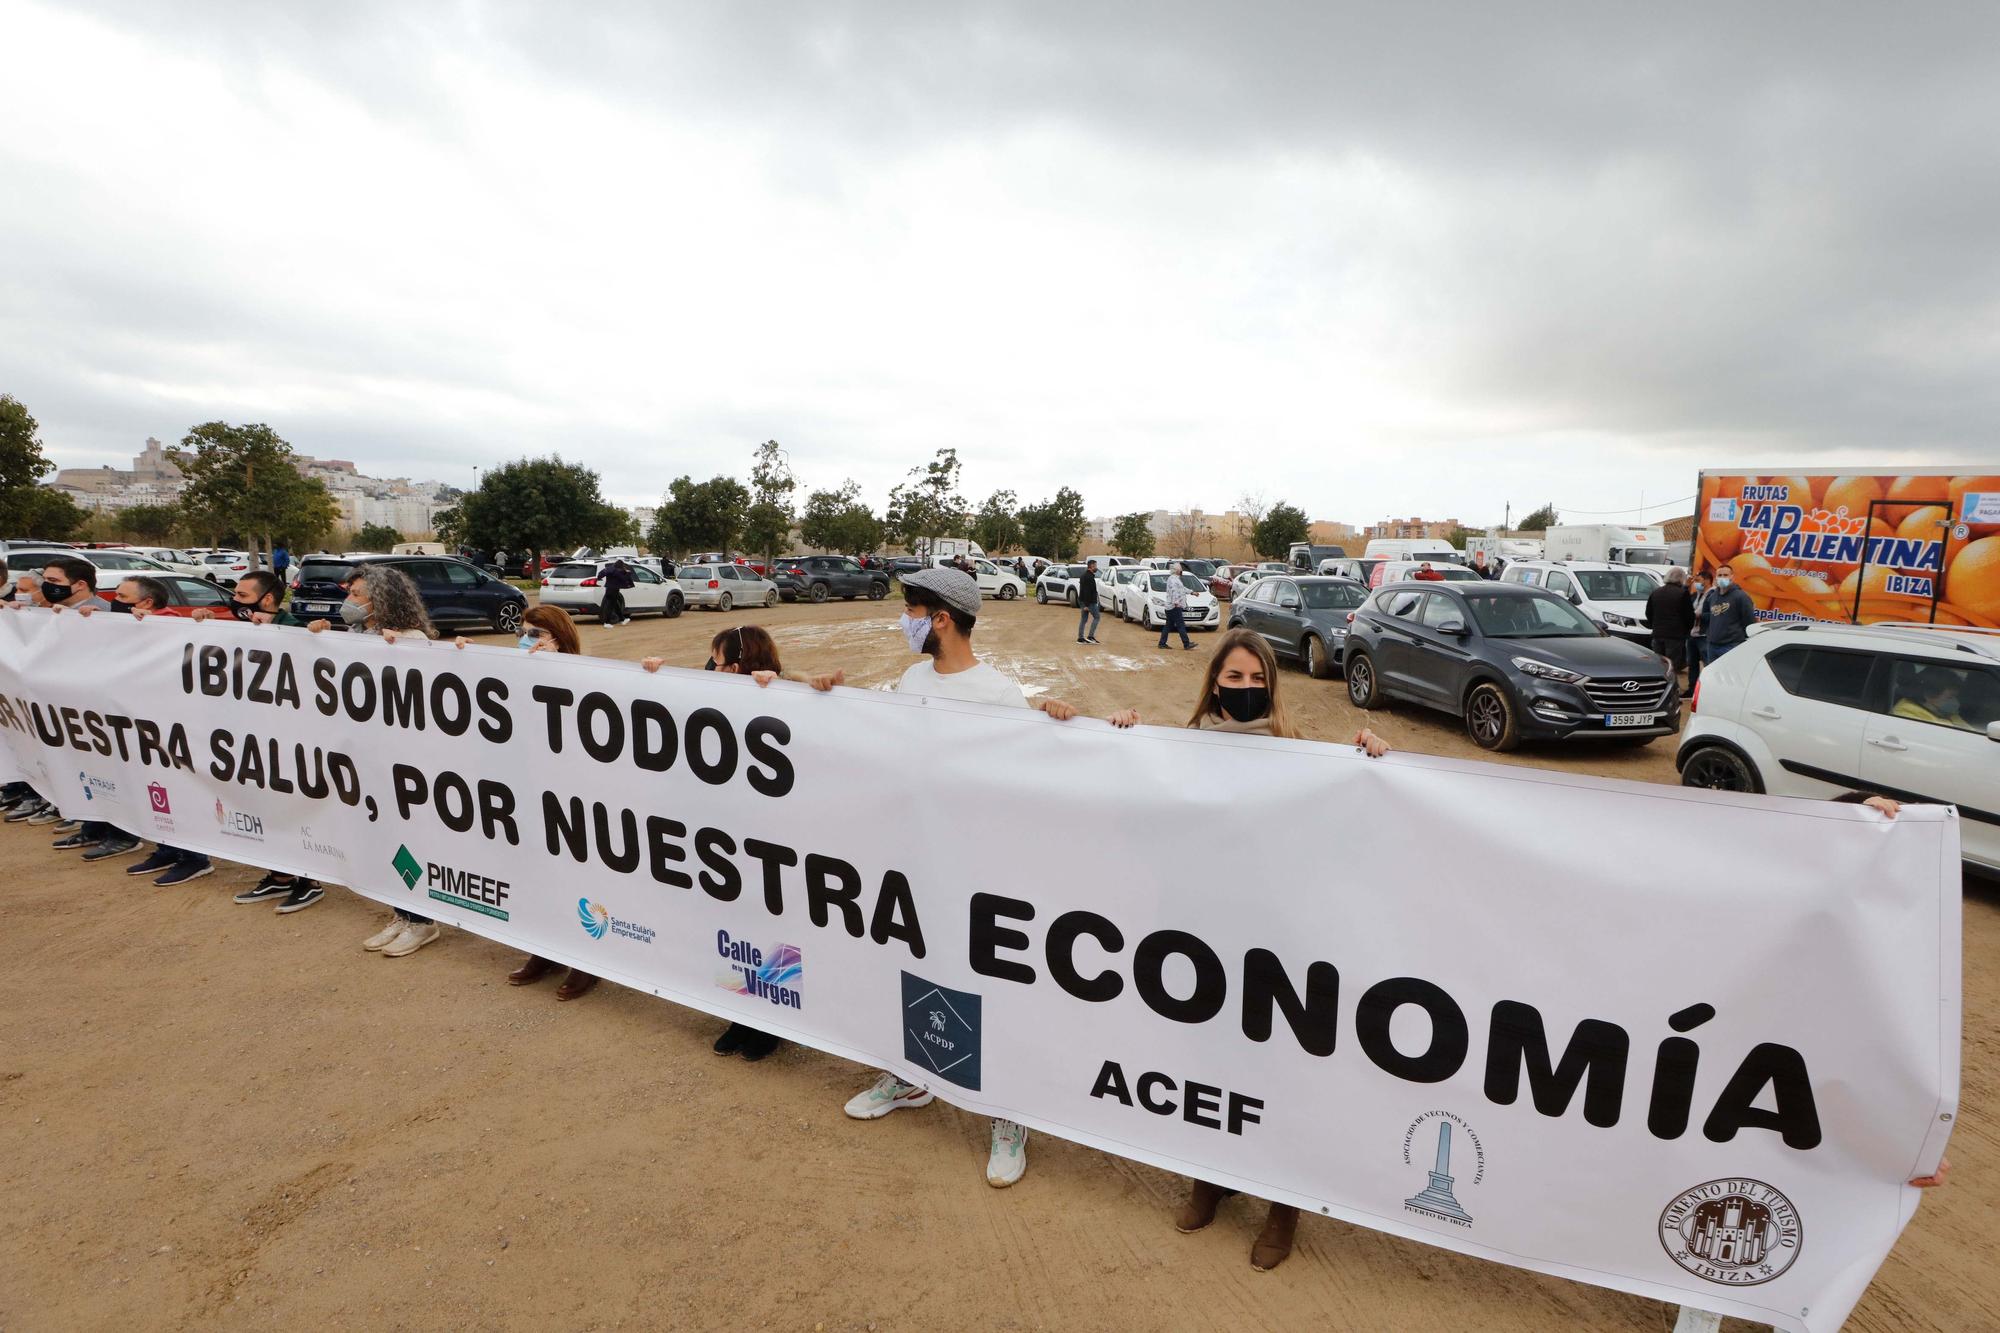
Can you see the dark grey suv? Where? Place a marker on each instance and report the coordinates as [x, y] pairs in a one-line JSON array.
[[1514, 662], [1300, 617]]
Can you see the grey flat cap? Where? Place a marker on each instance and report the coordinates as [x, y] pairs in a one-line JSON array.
[[954, 587]]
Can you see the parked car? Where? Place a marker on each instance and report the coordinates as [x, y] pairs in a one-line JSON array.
[[996, 582], [1110, 585], [1058, 583], [455, 592], [1221, 577], [1303, 618], [1360, 568], [1513, 662], [1305, 557], [179, 561], [578, 585], [818, 577], [1816, 709], [1245, 577], [225, 567], [114, 567], [719, 587], [1395, 571], [724, 558], [1613, 595], [899, 565], [187, 590], [1144, 599]]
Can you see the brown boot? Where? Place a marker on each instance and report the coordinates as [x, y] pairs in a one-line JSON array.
[[528, 973], [575, 984], [1274, 1242], [1199, 1210]]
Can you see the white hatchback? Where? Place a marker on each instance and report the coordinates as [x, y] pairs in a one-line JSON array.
[[1808, 709], [1144, 599], [578, 585]]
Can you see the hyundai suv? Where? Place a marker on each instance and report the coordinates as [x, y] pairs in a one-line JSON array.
[[1514, 662], [1812, 709], [455, 592], [817, 577]]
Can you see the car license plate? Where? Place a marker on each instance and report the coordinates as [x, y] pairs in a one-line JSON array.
[[317, 608], [1630, 719]]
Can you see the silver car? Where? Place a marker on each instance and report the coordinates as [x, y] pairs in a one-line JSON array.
[[720, 587]]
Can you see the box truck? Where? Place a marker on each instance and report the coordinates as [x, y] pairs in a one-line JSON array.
[[1606, 543], [1888, 545]]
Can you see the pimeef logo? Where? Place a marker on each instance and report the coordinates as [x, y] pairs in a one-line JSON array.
[[408, 868]]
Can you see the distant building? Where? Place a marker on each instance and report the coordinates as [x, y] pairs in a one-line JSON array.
[[1409, 528]]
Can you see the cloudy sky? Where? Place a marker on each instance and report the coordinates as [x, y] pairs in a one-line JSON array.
[[1371, 258]]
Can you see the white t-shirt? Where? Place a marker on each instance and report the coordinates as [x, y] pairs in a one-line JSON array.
[[979, 684]]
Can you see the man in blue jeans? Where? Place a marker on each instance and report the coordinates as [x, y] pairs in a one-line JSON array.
[[1176, 619], [1089, 613]]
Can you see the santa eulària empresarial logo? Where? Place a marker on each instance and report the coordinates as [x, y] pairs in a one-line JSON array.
[[1735, 1233]]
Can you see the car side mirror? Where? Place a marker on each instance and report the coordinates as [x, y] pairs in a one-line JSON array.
[[1456, 628], [1575, 597], [1993, 731], [1289, 604]]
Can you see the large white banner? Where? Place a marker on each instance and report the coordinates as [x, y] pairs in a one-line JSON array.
[[1683, 1044]]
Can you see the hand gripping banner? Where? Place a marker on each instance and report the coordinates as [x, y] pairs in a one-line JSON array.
[[1685, 1044]]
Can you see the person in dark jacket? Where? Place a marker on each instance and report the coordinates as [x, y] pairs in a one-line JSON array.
[[1089, 613], [1670, 612], [616, 578], [1697, 637], [1727, 616]]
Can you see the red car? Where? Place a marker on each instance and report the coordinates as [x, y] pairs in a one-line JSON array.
[[1222, 579]]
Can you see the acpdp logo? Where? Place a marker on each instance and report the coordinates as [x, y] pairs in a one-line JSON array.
[[408, 868], [595, 920]]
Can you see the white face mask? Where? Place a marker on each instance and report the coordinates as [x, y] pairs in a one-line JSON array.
[[915, 630], [1723, 581]]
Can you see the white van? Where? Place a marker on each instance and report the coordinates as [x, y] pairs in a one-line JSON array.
[[1612, 595], [945, 547], [418, 548], [1412, 548]]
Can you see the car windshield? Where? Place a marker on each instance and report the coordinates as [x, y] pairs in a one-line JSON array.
[[1330, 596], [1615, 585], [325, 571], [1532, 617]]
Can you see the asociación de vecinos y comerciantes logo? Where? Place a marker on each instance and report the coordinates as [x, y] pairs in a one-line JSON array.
[[597, 922]]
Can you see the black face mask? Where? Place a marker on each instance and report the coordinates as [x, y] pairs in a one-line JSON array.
[[709, 665], [242, 610], [1244, 705], [55, 592], [117, 605]]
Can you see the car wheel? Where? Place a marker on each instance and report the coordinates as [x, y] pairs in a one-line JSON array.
[[1361, 691], [1072, 596], [819, 592], [1008, 592], [675, 605], [877, 591], [1041, 596], [508, 619], [1490, 719], [1319, 663], [1146, 616], [725, 602], [1719, 768], [771, 598]]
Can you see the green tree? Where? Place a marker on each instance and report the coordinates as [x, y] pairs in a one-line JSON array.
[[535, 505], [1133, 536], [1054, 527], [996, 527], [1459, 536], [699, 516], [838, 521], [1281, 525], [928, 505], [1541, 520], [149, 523], [22, 468], [46, 512], [376, 537], [243, 481], [767, 523]]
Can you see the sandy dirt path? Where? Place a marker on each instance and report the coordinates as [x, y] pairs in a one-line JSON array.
[[214, 1116]]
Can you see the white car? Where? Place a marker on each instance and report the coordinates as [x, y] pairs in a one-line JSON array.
[[114, 567], [1144, 599], [1612, 595], [1245, 577], [1058, 583], [1111, 587], [1810, 709], [578, 585], [225, 567], [179, 561], [993, 580], [720, 587]]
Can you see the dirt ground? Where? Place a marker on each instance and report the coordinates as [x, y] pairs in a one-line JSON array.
[[214, 1116]]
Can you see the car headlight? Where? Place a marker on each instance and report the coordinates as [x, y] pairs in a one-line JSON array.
[[1613, 618], [1534, 666]]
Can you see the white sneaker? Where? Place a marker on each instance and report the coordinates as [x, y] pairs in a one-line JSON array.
[[416, 934], [889, 1094], [1008, 1161], [1697, 1321], [386, 936]]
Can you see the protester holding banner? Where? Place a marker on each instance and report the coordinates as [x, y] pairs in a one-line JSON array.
[[1239, 693], [65, 582], [747, 650], [948, 601], [549, 629], [256, 598]]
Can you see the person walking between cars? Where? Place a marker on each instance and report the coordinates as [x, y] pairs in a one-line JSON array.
[[1481, 568], [1089, 613], [1176, 618], [1698, 594], [1729, 615], [617, 577], [1670, 613]]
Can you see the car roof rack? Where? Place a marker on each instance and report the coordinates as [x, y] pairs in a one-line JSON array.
[[1909, 631]]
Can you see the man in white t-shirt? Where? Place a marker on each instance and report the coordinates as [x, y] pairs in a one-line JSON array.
[[949, 599]]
